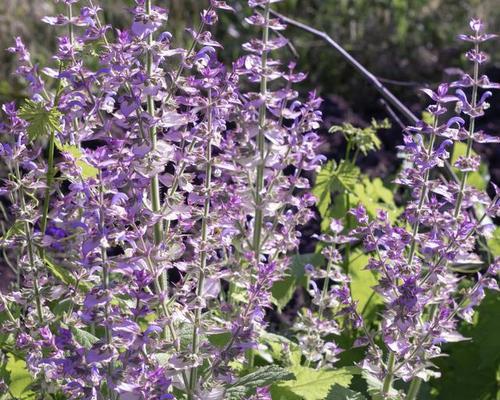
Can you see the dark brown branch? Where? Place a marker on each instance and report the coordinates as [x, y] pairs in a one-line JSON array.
[[386, 93]]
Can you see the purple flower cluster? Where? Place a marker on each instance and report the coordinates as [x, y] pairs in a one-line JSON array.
[[417, 259], [163, 214], [156, 195]]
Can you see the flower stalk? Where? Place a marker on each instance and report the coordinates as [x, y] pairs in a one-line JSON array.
[[261, 141], [203, 243]]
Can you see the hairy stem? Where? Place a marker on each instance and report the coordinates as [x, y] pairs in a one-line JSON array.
[[261, 142], [105, 283], [155, 185], [49, 179], [30, 246], [472, 123], [203, 253], [390, 374], [414, 389]]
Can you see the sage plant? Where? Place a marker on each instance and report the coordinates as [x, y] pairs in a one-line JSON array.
[[162, 215], [419, 260]]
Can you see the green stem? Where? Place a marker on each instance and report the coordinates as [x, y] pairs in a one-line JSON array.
[[105, 283], [324, 291], [414, 389], [261, 142], [70, 25], [49, 180], [203, 253], [29, 244], [423, 195], [390, 374], [7, 309], [472, 123], [155, 185]]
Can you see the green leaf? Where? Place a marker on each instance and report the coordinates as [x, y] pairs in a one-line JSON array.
[[88, 171], [375, 196], [42, 121], [494, 242], [472, 369], [363, 139], [311, 384], [283, 290], [338, 392], [345, 177], [334, 178], [17, 228], [478, 179], [64, 275], [84, 338], [282, 349], [263, 376], [362, 282], [19, 378], [322, 188], [219, 339]]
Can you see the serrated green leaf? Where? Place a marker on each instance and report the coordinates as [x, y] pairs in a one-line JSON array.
[[42, 121], [263, 376], [281, 348], [88, 171], [375, 196], [219, 339], [311, 384], [323, 187], [19, 378], [362, 139], [84, 338], [338, 392], [345, 177]]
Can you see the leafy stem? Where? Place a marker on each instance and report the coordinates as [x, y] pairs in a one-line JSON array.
[[203, 243], [261, 141], [472, 123]]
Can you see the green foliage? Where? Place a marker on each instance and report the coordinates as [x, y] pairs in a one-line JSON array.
[[42, 121], [64, 275], [18, 378], [280, 349], [311, 384], [17, 228], [362, 282], [283, 290], [494, 242], [84, 338], [362, 139], [219, 339], [264, 376], [338, 392], [478, 179], [334, 178], [472, 370], [88, 171], [371, 193]]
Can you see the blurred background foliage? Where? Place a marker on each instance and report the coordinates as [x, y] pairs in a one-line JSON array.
[[411, 41], [407, 44]]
